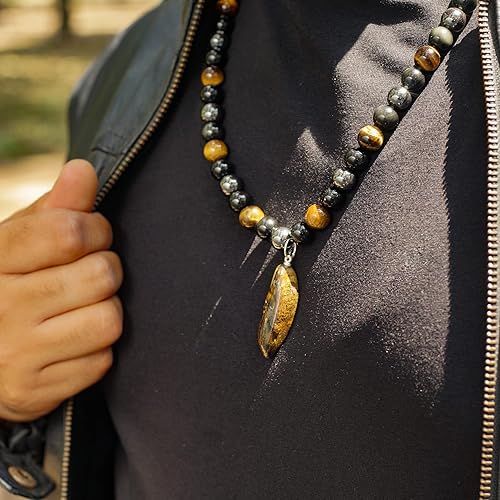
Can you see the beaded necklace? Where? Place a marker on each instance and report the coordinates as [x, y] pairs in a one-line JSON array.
[[282, 298]]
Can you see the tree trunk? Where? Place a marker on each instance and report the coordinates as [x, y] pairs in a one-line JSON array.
[[64, 16]]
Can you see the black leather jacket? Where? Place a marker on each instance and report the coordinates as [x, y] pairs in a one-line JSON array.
[[114, 111]]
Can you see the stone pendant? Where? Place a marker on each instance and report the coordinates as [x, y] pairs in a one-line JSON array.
[[279, 309]]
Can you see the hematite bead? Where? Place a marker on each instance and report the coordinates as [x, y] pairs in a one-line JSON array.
[[441, 38], [219, 41], [220, 169], [427, 58], [300, 233], [265, 226], [356, 159], [386, 117], [229, 7], [239, 200], [215, 150], [413, 79], [211, 112], [467, 6], [454, 19], [212, 131], [317, 217], [399, 98], [210, 94], [371, 138], [279, 235], [212, 75], [331, 197], [250, 215], [214, 58], [229, 184], [343, 179], [224, 23]]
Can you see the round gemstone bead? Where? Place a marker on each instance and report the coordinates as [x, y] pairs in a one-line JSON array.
[[386, 117], [441, 38], [229, 184], [211, 112], [399, 98], [371, 138], [224, 23], [331, 197], [210, 94], [215, 150], [212, 131], [265, 226], [239, 200], [250, 215], [219, 41], [427, 58], [214, 58], [343, 179], [413, 79], [355, 159], [300, 233], [454, 19], [220, 169], [467, 6], [279, 235], [317, 217], [212, 75], [227, 7]]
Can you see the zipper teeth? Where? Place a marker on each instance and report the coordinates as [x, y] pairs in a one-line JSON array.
[[133, 152], [492, 319]]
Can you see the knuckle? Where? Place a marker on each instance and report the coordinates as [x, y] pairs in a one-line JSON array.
[[15, 396], [111, 320], [107, 270], [71, 234], [104, 227]]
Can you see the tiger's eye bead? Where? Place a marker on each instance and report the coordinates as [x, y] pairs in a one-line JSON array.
[[413, 79], [265, 226], [211, 112], [317, 217], [279, 235], [229, 184], [239, 200], [220, 169], [467, 6], [454, 19], [428, 58], [355, 159], [300, 233], [441, 38], [214, 58], [212, 75], [371, 138], [215, 150], [227, 7], [399, 98], [212, 131], [343, 179], [210, 94], [386, 117], [331, 197], [219, 41], [250, 215]]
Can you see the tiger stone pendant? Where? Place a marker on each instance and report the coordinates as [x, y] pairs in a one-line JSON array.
[[280, 305]]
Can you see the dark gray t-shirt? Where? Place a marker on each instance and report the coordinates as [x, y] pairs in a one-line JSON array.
[[377, 391]]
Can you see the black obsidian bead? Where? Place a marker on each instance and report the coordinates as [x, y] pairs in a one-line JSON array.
[[386, 117], [399, 98], [212, 131], [221, 168], [441, 38], [214, 58], [343, 179], [210, 94], [239, 200], [355, 159], [454, 19], [300, 232], [219, 41], [413, 79], [467, 6], [211, 112], [331, 197]]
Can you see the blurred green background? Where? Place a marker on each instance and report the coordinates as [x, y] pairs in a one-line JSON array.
[[45, 46]]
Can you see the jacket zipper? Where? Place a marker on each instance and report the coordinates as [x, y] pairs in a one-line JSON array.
[[111, 181], [492, 313]]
